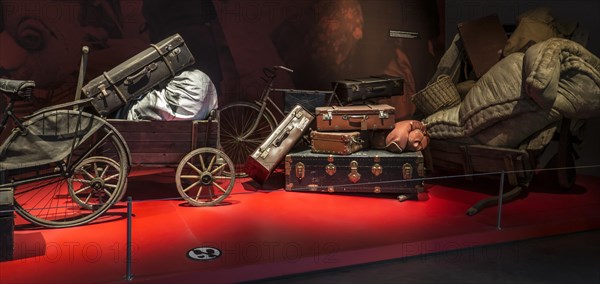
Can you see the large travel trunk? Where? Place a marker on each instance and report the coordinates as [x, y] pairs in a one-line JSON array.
[[368, 171], [137, 75], [261, 163], [359, 90], [353, 118]]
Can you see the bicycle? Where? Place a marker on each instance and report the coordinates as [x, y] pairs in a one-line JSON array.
[[66, 166], [245, 125]]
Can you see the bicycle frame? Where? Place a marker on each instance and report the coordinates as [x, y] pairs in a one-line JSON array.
[[265, 98]]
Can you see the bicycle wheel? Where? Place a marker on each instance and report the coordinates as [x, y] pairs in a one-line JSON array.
[[200, 177], [237, 138], [46, 194]]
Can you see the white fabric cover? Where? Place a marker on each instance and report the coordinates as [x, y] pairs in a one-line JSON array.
[[190, 95]]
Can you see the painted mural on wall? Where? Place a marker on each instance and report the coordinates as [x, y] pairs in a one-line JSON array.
[[232, 40]]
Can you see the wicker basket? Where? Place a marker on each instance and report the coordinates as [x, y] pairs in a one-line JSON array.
[[437, 96]]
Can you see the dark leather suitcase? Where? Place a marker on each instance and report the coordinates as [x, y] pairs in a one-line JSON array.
[[138, 74], [351, 91], [368, 171], [308, 99], [351, 118], [261, 163], [339, 143]]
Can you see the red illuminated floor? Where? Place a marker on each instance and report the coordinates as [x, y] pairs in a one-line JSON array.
[[267, 232]]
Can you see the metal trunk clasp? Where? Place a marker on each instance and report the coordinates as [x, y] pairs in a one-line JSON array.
[[354, 175], [300, 170]]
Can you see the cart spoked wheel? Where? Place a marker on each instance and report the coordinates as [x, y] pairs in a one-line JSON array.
[[54, 195], [205, 177], [94, 182]]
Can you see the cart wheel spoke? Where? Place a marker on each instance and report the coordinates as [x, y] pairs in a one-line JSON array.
[[83, 181], [112, 177], [82, 189], [90, 176], [113, 186], [190, 177], [219, 187], [191, 186], [212, 162], [103, 172], [194, 167], [218, 169], [87, 199], [199, 191], [202, 163]]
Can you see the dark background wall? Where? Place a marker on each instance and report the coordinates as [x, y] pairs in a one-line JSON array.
[[585, 12], [233, 39]]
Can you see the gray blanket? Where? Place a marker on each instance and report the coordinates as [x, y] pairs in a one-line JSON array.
[[523, 94]]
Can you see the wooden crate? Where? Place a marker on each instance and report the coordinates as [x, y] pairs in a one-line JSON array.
[[164, 143]]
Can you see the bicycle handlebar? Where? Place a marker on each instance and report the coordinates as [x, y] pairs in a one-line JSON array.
[[270, 73], [283, 68]]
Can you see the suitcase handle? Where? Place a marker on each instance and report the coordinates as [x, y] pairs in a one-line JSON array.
[[146, 71], [362, 121], [378, 89], [355, 116], [281, 137]]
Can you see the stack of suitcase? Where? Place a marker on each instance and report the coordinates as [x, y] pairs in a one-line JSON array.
[[347, 148]]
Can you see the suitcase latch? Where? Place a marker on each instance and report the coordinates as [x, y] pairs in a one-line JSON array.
[[299, 170], [407, 171], [102, 89], [354, 175], [328, 115], [264, 153], [383, 115]]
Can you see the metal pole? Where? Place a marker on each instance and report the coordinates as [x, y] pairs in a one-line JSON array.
[[500, 194], [129, 274]]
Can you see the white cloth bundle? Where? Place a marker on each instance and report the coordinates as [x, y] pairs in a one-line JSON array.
[[190, 95]]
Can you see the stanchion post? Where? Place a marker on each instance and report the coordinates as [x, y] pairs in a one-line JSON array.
[[500, 195], [129, 274]]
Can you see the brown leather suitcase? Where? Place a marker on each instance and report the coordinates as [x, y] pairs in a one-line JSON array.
[[352, 118], [138, 74], [351, 91], [368, 171], [339, 143], [261, 163]]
